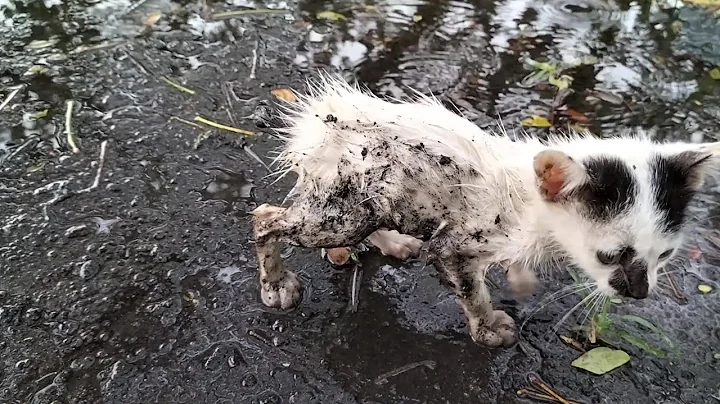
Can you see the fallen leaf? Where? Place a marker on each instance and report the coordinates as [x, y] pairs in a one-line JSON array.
[[39, 114], [536, 121], [284, 94], [330, 16], [705, 288], [338, 256], [578, 117], [152, 18], [561, 82], [417, 18], [616, 301], [608, 97], [715, 73], [601, 360], [694, 254], [705, 3]]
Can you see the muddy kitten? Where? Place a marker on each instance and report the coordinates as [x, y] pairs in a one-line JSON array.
[[404, 173]]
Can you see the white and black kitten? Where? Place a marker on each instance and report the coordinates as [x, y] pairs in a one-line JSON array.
[[404, 173]]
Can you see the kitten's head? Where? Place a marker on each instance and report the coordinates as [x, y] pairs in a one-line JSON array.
[[617, 207]]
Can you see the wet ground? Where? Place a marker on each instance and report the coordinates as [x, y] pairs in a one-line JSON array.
[[141, 287]]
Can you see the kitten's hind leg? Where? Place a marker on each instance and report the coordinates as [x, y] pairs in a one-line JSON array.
[[491, 328], [304, 225], [396, 244]]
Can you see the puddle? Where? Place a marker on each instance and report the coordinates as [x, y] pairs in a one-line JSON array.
[[229, 187]]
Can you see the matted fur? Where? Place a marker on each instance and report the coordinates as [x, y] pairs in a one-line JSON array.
[[403, 171]]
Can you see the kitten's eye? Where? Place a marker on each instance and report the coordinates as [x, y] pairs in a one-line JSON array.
[[666, 254], [608, 258]]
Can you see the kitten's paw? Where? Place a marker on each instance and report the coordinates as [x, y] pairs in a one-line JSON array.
[[523, 283], [496, 331], [395, 244], [283, 294]]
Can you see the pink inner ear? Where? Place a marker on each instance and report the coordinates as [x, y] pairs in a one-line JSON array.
[[553, 181]]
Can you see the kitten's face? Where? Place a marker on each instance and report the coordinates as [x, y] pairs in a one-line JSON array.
[[619, 215]]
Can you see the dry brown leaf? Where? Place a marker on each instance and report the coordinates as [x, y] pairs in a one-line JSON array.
[[578, 117], [339, 256], [152, 18], [284, 94]]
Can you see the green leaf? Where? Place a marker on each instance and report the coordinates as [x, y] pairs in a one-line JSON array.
[[601, 360], [642, 344], [330, 16], [652, 327], [705, 288], [536, 121], [562, 82]]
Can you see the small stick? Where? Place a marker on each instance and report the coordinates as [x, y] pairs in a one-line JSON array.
[[223, 127], [101, 163], [254, 61], [68, 127], [572, 343], [177, 86], [240, 13], [675, 289], [383, 378], [10, 97], [355, 289], [186, 122], [537, 382], [527, 393]]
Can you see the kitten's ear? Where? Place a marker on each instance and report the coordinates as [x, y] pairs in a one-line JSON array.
[[696, 164], [557, 174]]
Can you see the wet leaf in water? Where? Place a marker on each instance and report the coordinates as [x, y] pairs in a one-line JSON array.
[[284, 94], [715, 73], [338, 256], [578, 117], [601, 360], [536, 121], [151, 19], [705, 288], [694, 254], [562, 82], [608, 97], [705, 3], [330, 16], [39, 114]]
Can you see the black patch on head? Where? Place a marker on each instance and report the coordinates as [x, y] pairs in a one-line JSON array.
[[672, 178], [611, 190]]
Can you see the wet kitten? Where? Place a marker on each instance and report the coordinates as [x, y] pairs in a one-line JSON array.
[[399, 173]]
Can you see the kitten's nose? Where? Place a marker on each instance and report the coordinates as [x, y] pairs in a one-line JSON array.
[[630, 280]]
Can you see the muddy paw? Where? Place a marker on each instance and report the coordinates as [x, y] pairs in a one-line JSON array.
[[497, 331], [283, 294], [522, 282], [395, 244]]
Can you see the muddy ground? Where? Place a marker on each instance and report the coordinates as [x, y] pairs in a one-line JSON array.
[[143, 289]]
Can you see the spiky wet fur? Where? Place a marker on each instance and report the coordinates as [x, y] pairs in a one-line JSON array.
[[372, 168]]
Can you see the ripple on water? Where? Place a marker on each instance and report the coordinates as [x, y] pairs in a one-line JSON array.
[[229, 187]]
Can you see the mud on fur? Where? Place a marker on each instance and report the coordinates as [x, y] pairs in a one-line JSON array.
[[401, 173]]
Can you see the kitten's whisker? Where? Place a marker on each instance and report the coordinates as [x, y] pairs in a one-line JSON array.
[[556, 327]]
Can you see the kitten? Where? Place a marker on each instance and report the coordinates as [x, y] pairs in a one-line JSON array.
[[404, 173]]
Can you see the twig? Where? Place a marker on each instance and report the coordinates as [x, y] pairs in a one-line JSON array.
[[178, 86], [572, 343], [240, 13], [19, 149], [528, 393], [68, 127], [383, 378], [355, 288], [254, 61], [186, 122], [101, 163], [675, 289], [537, 382], [10, 97], [223, 127]]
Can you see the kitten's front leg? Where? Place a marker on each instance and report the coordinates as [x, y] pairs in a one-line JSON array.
[[489, 327], [521, 280]]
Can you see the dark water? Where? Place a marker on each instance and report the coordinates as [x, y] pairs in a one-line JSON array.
[[142, 289]]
